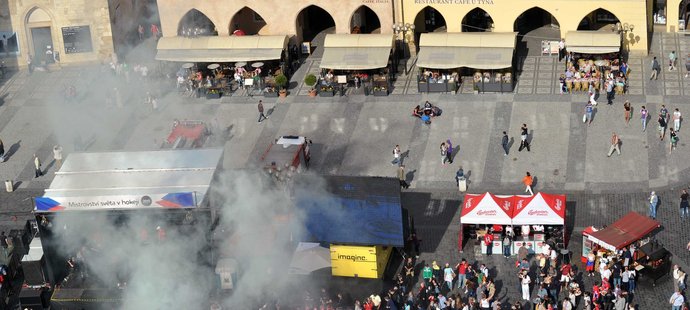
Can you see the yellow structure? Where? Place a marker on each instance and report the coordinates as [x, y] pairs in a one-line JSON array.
[[359, 261], [565, 15]]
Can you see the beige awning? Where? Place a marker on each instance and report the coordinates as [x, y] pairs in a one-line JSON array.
[[478, 50], [221, 48], [356, 51], [592, 42]]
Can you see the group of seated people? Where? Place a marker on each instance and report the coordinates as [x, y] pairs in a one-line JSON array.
[[437, 77], [427, 112], [586, 75], [498, 77]]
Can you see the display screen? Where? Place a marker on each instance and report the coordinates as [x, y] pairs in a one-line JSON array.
[[77, 39]]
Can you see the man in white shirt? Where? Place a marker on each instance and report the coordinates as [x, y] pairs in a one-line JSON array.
[[605, 274], [677, 300], [676, 119], [561, 49]]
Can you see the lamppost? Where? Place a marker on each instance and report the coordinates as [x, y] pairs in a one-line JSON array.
[[403, 28], [623, 31]]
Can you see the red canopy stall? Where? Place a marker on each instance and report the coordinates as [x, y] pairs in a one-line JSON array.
[[625, 231], [539, 210], [486, 209]]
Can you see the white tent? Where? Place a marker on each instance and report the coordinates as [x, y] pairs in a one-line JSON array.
[[540, 209], [309, 257], [487, 209]]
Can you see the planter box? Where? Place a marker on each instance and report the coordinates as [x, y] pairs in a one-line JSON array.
[[213, 96], [380, 93], [270, 94], [324, 93]]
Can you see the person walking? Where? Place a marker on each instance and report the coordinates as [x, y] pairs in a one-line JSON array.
[[628, 112], [643, 116], [592, 94], [672, 61], [677, 300], [2, 151], [676, 119], [528, 181], [662, 126], [37, 165], [524, 284], [609, 91], [401, 177], [523, 138], [507, 242], [664, 113], [260, 106], [653, 202], [444, 153], [655, 69], [504, 143], [615, 145], [687, 66], [684, 204], [449, 153], [589, 110], [57, 156], [396, 155], [673, 141], [561, 49]]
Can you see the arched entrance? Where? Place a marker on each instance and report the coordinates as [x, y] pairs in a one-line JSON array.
[[598, 19], [659, 12], [311, 21], [429, 20], [195, 23], [477, 20], [246, 21], [39, 28], [533, 26], [684, 12], [365, 20]]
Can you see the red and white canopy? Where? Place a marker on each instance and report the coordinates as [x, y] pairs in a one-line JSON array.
[[540, 209], [487, 209]]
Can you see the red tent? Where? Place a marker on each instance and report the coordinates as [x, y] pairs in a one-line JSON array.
[[540, 209], [487, 209], [628, 229]]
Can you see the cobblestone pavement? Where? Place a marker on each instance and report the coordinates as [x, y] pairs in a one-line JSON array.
[[354, 135]]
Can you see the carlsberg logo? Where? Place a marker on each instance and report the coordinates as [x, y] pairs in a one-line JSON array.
[[354, 258]]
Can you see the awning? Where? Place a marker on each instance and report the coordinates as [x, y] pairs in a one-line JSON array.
[[478, 50], [592, 42], [540, 209], [221, 48], [625, 231], [356, 51]]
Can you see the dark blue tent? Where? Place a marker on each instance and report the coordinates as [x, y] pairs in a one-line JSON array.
[[351, 210]]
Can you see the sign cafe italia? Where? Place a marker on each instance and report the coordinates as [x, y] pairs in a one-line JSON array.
[[454, 1]]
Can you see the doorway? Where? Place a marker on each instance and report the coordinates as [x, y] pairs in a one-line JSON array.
[[41, 38]]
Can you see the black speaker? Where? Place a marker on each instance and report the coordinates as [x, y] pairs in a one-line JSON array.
[[30, 299]]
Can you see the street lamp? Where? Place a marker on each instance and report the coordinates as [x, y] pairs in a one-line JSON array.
[[403, 28], [623, 31]]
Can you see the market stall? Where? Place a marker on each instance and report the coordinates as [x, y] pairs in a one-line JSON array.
[[546, 214], [633, 230], [480, 212], [360, 219], [595, 59], [357, 59], [444, 57], [242, 61], [536, 220]]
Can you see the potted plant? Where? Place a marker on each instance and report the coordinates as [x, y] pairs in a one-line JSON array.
[[281, 81], [270, 92], [213, 93], [327, 91], [310, 80]]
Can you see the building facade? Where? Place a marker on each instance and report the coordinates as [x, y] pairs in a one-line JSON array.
[[68, 31], [300, 19]]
